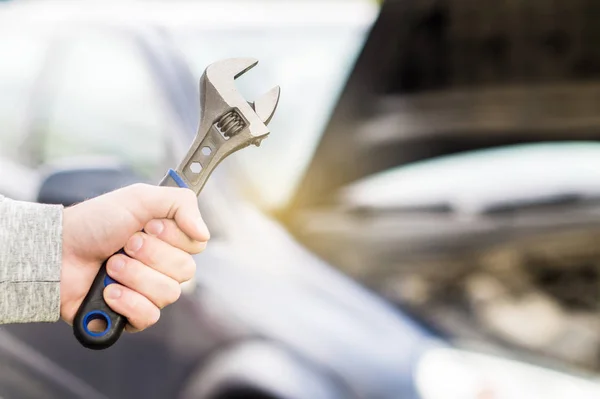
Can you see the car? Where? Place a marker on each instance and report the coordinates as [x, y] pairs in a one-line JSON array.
[[471, 197], [266, 317]]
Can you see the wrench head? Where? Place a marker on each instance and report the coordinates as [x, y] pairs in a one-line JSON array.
[[220, 77], [228, 123]]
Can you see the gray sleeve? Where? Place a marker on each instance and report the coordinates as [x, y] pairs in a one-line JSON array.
[[30, 261]]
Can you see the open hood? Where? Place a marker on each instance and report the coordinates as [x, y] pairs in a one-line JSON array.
[[442, 77]]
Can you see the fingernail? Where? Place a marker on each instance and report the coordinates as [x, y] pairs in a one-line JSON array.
[[202, 228], [114, 292], [155, 227], [117, 264], [135, 243], [156, 317]]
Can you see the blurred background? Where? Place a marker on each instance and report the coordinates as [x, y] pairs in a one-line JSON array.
[[422, 222]]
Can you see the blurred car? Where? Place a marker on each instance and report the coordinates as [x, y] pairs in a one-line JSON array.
[[470, 195], [267, 318]]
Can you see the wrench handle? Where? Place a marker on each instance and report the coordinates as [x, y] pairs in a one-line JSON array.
[[94, 307]]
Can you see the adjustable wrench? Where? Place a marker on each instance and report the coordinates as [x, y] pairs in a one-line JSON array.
[[228, 124]]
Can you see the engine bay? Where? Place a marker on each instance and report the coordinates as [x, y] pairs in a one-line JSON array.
[[538, 296]]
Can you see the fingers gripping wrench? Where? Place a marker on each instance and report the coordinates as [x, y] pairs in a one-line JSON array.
[[228, 124]]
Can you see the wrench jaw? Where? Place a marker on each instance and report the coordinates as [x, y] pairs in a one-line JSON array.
[[229, 123], [266, 105], [227, 70]]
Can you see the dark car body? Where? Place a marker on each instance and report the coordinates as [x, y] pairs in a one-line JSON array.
[[444, 90]]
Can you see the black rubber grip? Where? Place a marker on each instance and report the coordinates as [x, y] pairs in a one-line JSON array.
[[94, 307]]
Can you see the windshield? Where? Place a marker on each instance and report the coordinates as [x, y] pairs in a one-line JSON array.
[[311, 66]]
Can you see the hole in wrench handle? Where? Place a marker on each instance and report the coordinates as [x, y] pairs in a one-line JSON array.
[[93, 305]]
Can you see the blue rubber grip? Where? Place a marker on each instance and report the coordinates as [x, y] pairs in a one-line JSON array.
[[176, 178], [94, 307], [96, 315], [108, 280]]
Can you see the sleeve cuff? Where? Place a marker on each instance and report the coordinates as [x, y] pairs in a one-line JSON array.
[[29, 302], [30, 261]]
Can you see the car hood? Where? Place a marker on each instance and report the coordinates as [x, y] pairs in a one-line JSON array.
[[401, 103]]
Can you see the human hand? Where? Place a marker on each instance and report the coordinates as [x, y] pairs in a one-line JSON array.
[[159, 259]]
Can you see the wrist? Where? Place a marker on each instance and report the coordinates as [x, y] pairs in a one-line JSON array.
[[68, 285]]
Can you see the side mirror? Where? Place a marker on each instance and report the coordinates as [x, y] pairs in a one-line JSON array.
[[73, 185]]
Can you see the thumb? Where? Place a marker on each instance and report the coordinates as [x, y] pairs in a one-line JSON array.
[[147, 202]]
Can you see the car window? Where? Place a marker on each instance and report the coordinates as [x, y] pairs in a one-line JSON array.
[[22, 56], [105, 102]]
